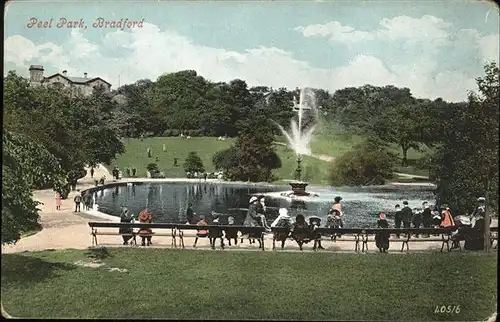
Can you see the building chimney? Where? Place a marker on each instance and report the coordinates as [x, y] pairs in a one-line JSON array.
[[64, 73], [85, 75]]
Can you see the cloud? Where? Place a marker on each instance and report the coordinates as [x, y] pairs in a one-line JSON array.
[[127, 56]]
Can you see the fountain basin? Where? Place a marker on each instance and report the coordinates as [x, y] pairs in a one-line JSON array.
[[298, 190]]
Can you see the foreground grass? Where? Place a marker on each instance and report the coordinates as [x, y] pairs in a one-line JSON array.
[[162, 283]]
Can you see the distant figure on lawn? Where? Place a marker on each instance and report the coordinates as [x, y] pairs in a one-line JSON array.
[[77, 200], [149, 152], [134, 171], [127, 171], [382, 238], [58, 201], [145, 216], [157, 158], [205, 175], [175, 162], [164, 148], [87, 200], [125, 218]]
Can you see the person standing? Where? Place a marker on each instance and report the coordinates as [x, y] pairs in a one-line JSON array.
[[134, 170], [252, 218], [145, 233], [398, 218], [77, 200], [92, 172], [340, 214], [87, 200], [190, 215], [382, 238], [58, 201], [426, 216], [406, 214]]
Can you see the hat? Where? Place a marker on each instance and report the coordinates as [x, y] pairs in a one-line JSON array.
[[481, 199], [253, 199], [382, 216], [283, 212], [397, 206], [337, 199], [405, 202]]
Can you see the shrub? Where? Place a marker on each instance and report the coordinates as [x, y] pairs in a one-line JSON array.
[[193, 163], [366, 164], [167, 133], [152, 168], [175, 132]]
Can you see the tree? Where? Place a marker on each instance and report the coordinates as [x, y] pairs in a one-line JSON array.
[[193, 163], [26, 165], [466, 161], [366, 164]]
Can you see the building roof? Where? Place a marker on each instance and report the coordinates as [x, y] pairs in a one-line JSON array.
[[78, 80], [36, 67]]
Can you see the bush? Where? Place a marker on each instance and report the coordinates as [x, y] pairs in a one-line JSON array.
[[175, 132], [167, 133], [366, 164], [152, 168], [193, 163]]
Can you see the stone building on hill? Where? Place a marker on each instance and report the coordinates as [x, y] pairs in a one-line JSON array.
[[78, 85]]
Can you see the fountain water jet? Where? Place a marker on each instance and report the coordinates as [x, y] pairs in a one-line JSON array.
[[300, 137]]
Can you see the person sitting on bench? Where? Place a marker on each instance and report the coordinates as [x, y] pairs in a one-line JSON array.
[[145, 233], [285, 221], [126, 232], [216, 233], [315, 222], [301, 233], [202, 233], [231, 233]]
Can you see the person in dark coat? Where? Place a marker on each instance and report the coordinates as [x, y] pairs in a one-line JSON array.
[[261, 212], [190, 215], [382, 238], [301, 233], [417, 219], [213, 234], [398, 218], [426, 216], [87, 200], [406, 215], [125, 217], [315, 222], [475, 240]]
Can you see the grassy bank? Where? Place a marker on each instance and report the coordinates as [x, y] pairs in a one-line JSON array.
[[163, 283]]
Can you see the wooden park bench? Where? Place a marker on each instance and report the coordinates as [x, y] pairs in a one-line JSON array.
[[362, 235], [243, 229], [153, 226], [469, 231]]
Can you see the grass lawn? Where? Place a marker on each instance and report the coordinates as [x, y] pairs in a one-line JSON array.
[[182, 284], [315, 171], [136, 156]]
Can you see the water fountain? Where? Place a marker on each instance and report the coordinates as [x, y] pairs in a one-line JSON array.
[[299, 139]]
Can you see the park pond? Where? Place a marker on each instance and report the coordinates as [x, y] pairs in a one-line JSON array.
[[169, 201]]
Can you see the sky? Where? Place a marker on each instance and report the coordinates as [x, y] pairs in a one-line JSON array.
[[435, 48]]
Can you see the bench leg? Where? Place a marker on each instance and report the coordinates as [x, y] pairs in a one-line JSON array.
[[356, 246], [181, 237], [262, 240], [174, 235], [274, 243]]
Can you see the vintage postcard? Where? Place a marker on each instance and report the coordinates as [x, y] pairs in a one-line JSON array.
[[250, 160]]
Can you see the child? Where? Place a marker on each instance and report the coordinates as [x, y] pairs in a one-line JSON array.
[[315, 222], [215, 233], [231, 233], [145, 233], [201, 232]]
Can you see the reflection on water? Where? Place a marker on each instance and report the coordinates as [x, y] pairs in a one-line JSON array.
[[169, 201]]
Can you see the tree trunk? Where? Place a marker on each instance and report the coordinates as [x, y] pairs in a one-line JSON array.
[[487, 241], [404, 162]]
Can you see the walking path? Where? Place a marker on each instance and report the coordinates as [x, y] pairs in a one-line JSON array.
[[66, 229]]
